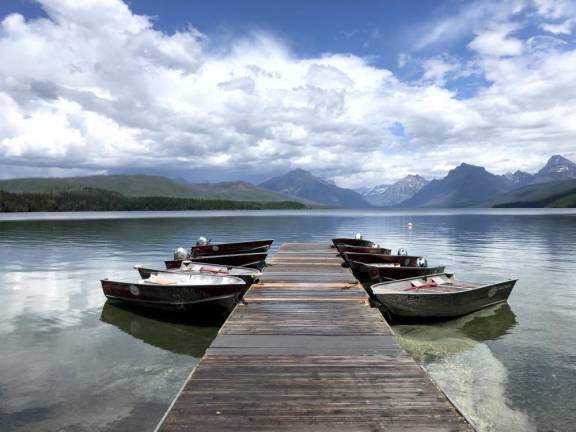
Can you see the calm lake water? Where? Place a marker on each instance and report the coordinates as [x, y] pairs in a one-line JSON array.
[[69, 361]]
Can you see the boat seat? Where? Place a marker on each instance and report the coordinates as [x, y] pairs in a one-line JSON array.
[[438, 280], [159, 280]]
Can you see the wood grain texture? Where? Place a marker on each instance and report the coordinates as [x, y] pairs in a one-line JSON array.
[[307, 353]]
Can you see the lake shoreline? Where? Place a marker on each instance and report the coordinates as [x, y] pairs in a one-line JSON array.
[[163, 214]]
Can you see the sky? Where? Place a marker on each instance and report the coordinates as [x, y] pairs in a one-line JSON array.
[[360, 92]]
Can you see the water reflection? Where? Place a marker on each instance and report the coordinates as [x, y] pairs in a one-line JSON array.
[[457, 355], [435, 341], [175, 332], [68, 361]]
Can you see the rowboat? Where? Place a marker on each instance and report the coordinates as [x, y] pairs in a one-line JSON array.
[[381, 258], [375, 268], [200, 250], [175, 290], [438, 296], [248, 275], [382, 272], [251, 260], [352, 242], [343, 249]]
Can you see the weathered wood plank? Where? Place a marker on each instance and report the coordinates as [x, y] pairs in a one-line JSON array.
[[311, 318], [298, 345]]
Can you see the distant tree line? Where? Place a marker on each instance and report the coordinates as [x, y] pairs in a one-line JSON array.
[[89, 199], [565, 199]]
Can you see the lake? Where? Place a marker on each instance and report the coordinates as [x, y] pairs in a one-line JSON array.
[[70, 361]]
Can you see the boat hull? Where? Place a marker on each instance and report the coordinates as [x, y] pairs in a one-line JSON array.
[[248, 276], [250, 260], [171, 297], [343, 249], [374, 258], [374, 275], [367, 267], [231, 248], [351, 242], [438, 306]]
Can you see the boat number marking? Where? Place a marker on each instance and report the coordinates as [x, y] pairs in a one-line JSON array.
[[215, 248], [134, 290], [492, 291]]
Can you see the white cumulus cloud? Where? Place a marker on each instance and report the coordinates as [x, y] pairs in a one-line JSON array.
[[498, 42], [93, 87]]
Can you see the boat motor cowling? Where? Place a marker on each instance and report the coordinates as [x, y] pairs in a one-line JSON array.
[[402, 252], [202, 241], [180, 254]]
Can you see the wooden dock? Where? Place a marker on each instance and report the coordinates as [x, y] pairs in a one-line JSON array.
[[308, 353]]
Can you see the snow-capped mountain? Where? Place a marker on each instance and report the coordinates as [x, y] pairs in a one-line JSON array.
[[520, 178], [464, 186], [391, 195], [557, 168], [363, 190]]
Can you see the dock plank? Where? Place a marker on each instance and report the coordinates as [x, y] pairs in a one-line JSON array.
[[306, 352]]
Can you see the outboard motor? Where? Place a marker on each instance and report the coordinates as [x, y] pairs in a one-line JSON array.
[[402, 252], [421, 262], [180, 254], [202, 241], [358, 236]]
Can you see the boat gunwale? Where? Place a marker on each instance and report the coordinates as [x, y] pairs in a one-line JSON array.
[[141, 282], [243, 242], [383, 266], [415, 291], [198, 251], [223, 256], [250, 271], [353, 254]]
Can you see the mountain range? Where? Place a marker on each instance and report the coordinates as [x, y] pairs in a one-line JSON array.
[[561, 193], [302, 184], [474, 186], [391, 195], [146, 185], [464, 186], [556, 169]]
